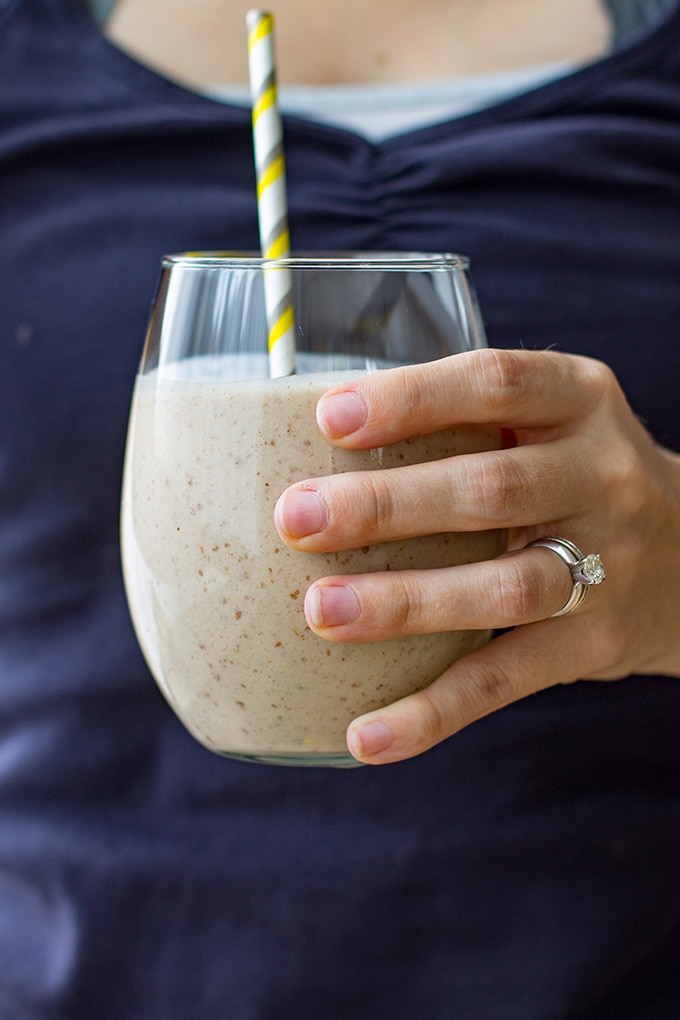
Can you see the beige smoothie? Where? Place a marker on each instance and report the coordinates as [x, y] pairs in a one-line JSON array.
[[217, 598]]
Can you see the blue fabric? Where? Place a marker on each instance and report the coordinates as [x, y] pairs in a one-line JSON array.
[[629, 16], [526, 868]]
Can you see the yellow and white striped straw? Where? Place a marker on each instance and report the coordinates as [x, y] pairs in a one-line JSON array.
[[272, 204]]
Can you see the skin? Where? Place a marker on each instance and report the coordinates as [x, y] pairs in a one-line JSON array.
[[582, 467], [202, 42]]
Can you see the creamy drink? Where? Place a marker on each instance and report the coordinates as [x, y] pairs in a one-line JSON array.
[[217, 598]]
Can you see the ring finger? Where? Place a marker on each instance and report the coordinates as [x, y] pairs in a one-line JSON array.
[[517, 588]]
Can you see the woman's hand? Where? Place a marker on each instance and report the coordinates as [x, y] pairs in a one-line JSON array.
[[583, 468]]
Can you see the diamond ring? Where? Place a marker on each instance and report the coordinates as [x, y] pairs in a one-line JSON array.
[[585, 570]]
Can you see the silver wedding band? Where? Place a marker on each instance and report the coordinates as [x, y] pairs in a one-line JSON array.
[[585, 570]]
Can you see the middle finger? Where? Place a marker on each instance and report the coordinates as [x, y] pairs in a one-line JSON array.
[[520, 487]]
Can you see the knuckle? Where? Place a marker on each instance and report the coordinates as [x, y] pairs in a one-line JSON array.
[[432, 718], [502, 375], [497, 487], [377, 500], [520, 592], [408, 392], [596, 377], [628, 472], [621, 472], [404, 607], [491, 686]]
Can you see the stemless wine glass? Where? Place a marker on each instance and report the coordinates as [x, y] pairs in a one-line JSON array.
[[215, 596]]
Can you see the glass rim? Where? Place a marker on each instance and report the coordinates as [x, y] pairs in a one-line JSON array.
[[384, 261]]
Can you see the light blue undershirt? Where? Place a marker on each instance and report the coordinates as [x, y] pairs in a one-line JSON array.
[[380, 111]]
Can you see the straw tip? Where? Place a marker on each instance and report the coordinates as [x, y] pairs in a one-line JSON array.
[[255, 15]]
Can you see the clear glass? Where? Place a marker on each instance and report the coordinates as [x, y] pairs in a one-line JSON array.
[[215, 596]]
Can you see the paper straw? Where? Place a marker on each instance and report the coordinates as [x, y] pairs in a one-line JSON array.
[[272, 207]]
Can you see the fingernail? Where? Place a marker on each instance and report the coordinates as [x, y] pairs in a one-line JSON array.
[[368, 739], [329, 605], [302, 512], [339, 414]]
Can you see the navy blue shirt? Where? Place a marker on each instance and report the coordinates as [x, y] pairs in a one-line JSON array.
[[526, 868]]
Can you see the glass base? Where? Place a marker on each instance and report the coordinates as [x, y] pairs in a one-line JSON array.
[[331, 760]]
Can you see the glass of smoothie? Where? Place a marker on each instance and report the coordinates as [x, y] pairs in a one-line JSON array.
[[215, 596]]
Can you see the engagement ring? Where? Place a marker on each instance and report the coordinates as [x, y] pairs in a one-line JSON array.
[[585, 570]]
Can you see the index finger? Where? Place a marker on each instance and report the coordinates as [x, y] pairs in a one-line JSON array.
[[517, 389]]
